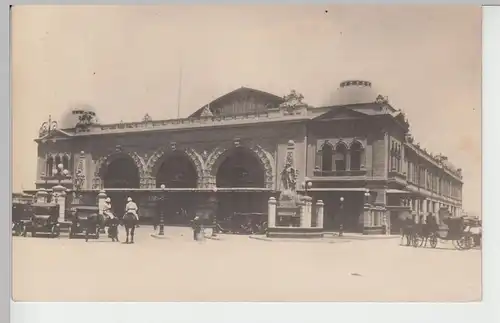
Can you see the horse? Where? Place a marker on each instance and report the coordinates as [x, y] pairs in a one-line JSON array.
[[407, 231], [112, 224], [129, 220]]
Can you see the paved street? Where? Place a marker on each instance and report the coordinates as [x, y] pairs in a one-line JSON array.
[[237, 268]]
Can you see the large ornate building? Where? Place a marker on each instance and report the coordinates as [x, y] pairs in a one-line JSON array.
[[353, 152]]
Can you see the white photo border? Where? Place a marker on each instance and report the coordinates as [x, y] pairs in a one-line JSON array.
[[485, 311]]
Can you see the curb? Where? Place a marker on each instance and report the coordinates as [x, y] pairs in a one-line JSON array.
[[323, 240], [159, 237]]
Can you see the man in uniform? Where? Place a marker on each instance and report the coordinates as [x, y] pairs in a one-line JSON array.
[[132, 208]]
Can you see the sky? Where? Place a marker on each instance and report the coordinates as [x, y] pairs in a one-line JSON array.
[[125, 61]]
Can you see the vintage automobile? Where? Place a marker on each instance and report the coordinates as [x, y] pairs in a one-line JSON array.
[[243, 223], [44, 219], [21, 214], [86, 221]]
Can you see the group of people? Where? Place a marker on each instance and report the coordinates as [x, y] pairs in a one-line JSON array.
[[130, 208]]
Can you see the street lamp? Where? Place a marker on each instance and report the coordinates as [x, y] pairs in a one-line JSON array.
[[306, 185], [367, 196], [162, 206], [341, 213], [61, 173]]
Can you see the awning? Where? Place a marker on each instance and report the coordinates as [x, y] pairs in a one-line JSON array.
[[396, 191]]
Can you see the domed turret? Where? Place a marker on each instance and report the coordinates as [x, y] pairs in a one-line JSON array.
[[353, 92], [70, 118]]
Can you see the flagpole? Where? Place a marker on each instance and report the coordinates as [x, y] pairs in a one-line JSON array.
[[179, 93]]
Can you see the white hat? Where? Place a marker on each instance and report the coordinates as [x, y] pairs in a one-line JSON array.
[[129, 199], [108, 199]]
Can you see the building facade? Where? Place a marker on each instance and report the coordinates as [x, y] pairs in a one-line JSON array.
[[355, 152]]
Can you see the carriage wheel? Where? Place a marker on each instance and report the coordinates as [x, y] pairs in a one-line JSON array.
[[468, 242], [461, 243], [433, 241], [417, 240]]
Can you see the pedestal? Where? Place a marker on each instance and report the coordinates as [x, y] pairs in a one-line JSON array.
[[60, 199], [271, 212], [367, 218], [320, 213], [305, 212], [101, 200], [41, 196]]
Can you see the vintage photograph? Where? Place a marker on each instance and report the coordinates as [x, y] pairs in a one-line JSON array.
[[260, 153]]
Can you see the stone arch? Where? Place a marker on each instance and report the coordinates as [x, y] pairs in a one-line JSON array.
[[160, 155], [217, 156], [103, 162]]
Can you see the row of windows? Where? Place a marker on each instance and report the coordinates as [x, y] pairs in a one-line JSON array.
[[395, 160], [341, 158], [431, 181]]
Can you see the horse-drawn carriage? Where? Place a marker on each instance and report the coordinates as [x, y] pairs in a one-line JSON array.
[[44, 219], [86, 221], [21, 214], [454, 229]]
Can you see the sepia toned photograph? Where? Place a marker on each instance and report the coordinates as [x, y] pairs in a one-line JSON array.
[[246, 153]]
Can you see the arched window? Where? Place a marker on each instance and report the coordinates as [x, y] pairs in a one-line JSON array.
[[340, 157], [49, 165], [356, 152], [326, 157]]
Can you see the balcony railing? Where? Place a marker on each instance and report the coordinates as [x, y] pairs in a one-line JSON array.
[[338, 173]]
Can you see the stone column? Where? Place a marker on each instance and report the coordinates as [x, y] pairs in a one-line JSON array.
[[302, 210], [424, 210], [367, 217], [41, 196], [100, 201], [59, 192], [305, 219], [320, 213], [271, 212]]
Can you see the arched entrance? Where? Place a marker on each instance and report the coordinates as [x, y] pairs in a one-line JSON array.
[[120, 173], [176, 171], [240, 173], [240, 167]]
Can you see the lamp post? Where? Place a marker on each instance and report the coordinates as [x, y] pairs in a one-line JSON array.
[[367, 196], [341, 213], [306, 185], [214, 211], [61, 173], [162, 206]]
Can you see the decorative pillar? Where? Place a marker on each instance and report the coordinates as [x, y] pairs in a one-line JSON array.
[[424, 210], [305, 212], [59, 192], [271, 212], [320, 213], [41, 196], [101, 197], [302, 210], [367, 218]]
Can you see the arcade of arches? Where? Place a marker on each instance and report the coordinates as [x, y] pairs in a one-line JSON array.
[[238, 168]]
